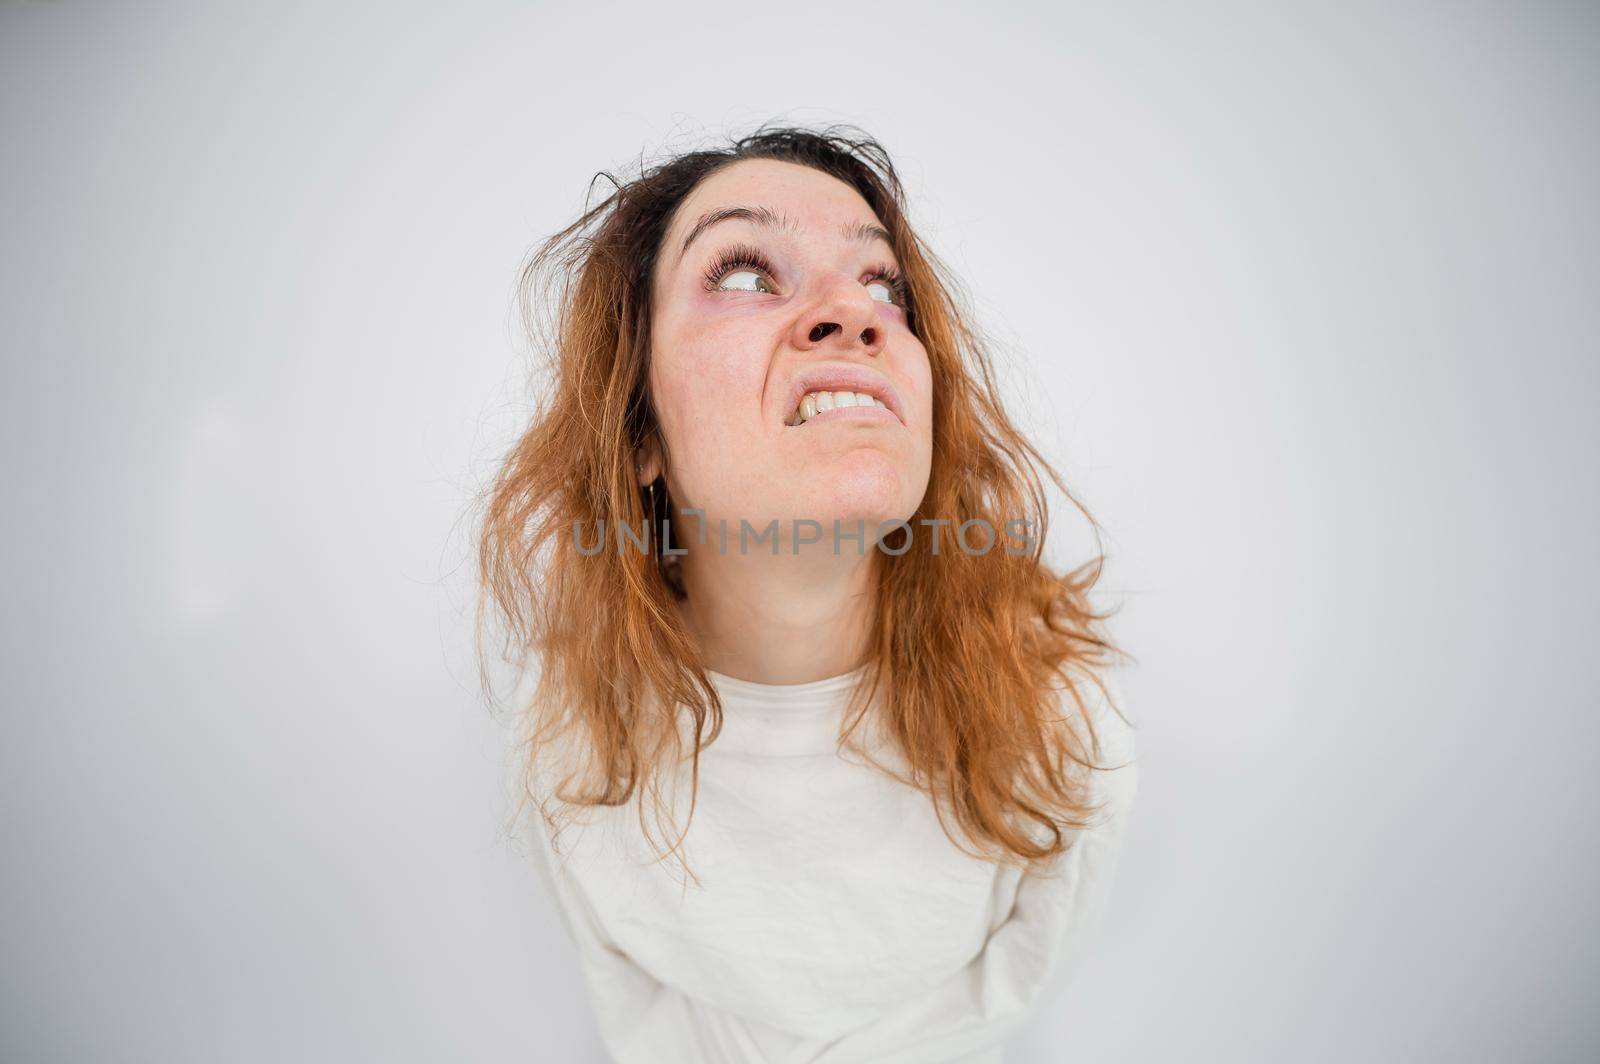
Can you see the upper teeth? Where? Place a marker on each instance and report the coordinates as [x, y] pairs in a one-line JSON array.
[[815, 403]]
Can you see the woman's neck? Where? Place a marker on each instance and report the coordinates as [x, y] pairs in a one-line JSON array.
[[783, 619]]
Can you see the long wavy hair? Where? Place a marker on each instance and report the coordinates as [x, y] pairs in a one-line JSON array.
[[972, 656]]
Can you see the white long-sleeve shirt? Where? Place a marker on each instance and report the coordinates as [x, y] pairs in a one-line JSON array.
[[834, 921]]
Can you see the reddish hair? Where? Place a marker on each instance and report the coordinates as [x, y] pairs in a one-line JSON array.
[[972, 656]]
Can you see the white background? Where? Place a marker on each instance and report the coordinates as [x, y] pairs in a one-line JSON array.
[[1301, 298]]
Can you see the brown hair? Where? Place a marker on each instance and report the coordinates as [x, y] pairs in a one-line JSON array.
[[971, 653]]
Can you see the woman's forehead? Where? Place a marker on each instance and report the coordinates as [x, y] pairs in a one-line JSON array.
[[801, 195]]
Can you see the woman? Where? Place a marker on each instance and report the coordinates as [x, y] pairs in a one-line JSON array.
[[775, 548]]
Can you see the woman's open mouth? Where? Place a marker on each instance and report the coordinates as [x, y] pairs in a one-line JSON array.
[[854, 406]]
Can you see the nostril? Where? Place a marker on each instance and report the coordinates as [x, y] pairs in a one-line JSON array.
[[868, 336], [822, 330]]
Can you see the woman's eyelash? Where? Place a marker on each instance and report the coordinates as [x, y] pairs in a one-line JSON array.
[[745, 257], [740, 256], [895, 280]]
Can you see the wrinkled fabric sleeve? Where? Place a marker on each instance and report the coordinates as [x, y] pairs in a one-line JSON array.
[[1030, 956], [641, 1020]]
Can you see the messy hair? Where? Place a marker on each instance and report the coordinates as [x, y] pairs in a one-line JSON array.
[[972, 657]]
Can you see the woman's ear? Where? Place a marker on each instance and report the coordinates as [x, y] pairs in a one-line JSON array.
[[647, 462]]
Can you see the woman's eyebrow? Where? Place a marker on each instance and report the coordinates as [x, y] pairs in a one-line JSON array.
[[856, 232]]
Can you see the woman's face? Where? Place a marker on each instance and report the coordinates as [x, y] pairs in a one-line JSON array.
[[736, 344]]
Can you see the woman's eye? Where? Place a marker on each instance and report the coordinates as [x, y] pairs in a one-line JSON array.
[[888, 291], [745, 281]]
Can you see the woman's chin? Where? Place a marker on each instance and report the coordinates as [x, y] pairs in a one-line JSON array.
[[869, 504]]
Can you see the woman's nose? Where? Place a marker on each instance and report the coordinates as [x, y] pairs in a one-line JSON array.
[[843, 318]]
